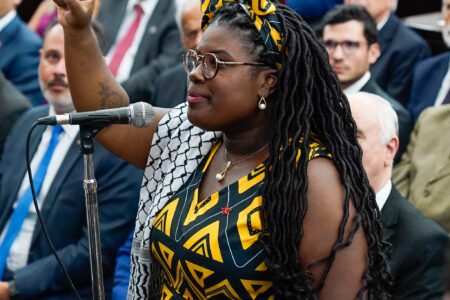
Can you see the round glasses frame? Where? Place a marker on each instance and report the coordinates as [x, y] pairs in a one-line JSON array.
[[209, 63]]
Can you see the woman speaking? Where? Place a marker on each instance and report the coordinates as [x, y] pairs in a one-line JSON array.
[[253, 188]]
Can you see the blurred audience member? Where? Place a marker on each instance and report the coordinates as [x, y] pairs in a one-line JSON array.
[[423, 174], [419, 245], [431, 78], [19, 52], [171, 87], [28, 269], [141, 41], [12, 104], [45, 14], [401, 49], [350, 37], [312, 10]]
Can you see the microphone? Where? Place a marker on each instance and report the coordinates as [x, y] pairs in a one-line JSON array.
[[140, 114]]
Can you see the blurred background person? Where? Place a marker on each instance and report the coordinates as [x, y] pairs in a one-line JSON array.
[[12, 104], [28, 269], [46, 13], [431, 79], [419, 245], [423, 174], [141, 41], [350, 37], [401, 49], [312, 10], [19, 53], [171, 86]]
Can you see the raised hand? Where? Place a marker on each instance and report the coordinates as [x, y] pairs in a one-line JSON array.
[[75, 14]]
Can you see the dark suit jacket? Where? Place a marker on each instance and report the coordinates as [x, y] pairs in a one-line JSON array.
[[401, 50], [19, 59], [419, 248], [171, 87], [65, 214], [404, 119], [12, 104], [159, 50], [426, 83]]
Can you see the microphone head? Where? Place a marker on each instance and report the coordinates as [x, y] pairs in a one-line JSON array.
[[141, 114]]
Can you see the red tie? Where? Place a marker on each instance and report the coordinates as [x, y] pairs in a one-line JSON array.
[[126, 41]]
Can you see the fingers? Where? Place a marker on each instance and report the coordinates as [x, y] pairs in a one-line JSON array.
[[60, 3]]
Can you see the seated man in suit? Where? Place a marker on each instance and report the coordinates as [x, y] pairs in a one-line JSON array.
[[19, 53], [401, 49], [423, 174], [350, 37], [419, 245], [28, 269], [171, 87], [12, 104], [141, 41], [431, 78]]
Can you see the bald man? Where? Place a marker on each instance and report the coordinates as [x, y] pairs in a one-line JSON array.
[[418, 243]]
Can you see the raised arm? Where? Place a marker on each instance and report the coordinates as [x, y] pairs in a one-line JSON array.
[[93, 86]]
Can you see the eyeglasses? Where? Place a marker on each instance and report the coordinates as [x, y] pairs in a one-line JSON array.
[[209, 63], [348, 47]]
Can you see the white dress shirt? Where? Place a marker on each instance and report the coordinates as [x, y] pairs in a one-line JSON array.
[[358, 85], [383, 194], [383, 22], [18, 255], [4, 21], [148, 6]]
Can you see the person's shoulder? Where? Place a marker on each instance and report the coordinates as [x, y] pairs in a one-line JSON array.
[[28, 36], [317, 149], [414, 226], [406, 36], [433, 62], [435, 114]]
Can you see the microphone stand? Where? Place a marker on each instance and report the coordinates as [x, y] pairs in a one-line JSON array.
[[87, 134]]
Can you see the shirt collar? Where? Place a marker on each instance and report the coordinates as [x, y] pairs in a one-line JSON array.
[[70, 130], [383, 195], [358, 85], [7, 19], [383, 22]]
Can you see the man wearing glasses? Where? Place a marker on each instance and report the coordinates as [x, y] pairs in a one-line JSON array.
[[349, 34]]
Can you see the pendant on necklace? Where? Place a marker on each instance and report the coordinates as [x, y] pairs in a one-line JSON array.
[[226, 211], [220, 176]]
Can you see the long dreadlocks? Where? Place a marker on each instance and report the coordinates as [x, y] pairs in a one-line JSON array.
[[309, 102]]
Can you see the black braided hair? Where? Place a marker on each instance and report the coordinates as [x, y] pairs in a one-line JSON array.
[[309, 102]]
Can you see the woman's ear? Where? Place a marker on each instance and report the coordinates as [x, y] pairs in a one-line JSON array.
[[269, 81]]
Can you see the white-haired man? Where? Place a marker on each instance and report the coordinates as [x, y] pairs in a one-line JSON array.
[[418, 243]]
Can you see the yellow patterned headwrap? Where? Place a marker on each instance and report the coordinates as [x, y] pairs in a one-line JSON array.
[[262, 13]]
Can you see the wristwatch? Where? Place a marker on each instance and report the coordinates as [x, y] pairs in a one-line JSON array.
[[13, 291]]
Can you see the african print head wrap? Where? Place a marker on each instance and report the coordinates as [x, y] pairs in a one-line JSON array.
[[262, 13]]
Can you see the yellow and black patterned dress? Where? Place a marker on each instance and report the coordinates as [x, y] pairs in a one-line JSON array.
[[208, 248]]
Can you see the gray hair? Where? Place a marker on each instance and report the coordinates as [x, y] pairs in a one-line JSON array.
[[387, 119], [179, 4]]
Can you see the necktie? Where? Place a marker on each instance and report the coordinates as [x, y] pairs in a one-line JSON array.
[[126, 41], [23, 204]]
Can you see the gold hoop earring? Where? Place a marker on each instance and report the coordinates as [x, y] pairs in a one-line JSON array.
[[262, 104]]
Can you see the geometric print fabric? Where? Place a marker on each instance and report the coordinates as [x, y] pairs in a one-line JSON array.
[[207, 252]]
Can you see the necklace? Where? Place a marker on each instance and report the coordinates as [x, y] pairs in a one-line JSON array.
[[220, 176]]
